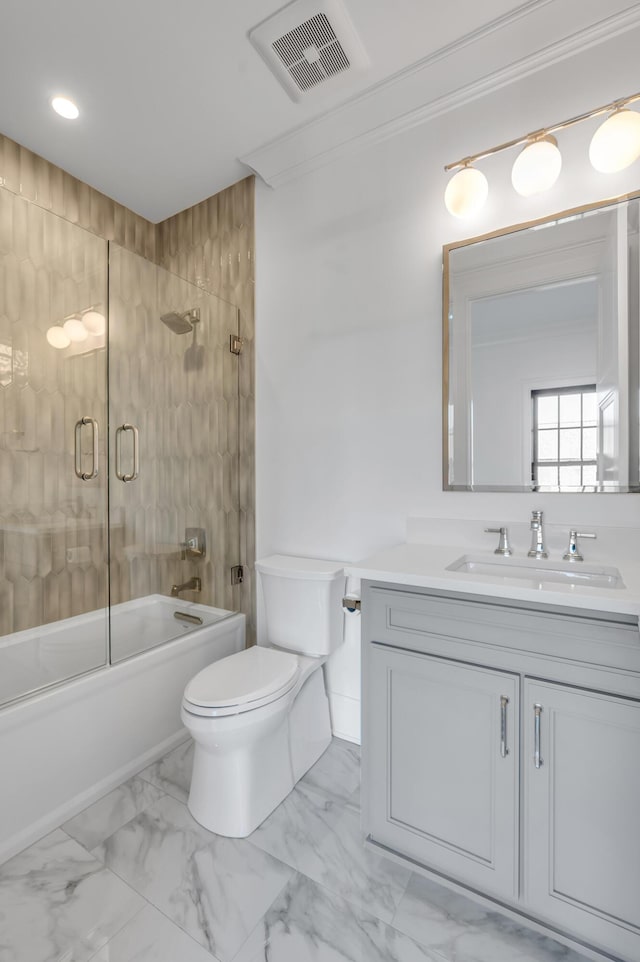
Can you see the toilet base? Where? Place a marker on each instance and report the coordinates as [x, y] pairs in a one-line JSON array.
[[244, 766]]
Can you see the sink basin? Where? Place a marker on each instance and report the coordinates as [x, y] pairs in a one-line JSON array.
[[538, 573]]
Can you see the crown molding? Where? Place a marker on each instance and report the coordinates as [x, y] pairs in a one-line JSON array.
[[516, 42]]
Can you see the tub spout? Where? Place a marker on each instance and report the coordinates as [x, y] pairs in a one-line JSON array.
[[193, 584]]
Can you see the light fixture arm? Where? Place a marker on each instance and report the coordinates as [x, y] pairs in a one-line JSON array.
[[545, 131]]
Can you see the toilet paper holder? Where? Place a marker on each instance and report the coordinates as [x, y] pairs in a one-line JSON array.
[[352, 604]]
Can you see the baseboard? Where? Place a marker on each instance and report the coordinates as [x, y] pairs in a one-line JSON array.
[[77, 804], [345, 717]]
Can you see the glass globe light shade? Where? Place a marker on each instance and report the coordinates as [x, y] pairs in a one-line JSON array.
[[537, 167], [94, 322], [58, 338], [616, 143], [466, 192], [75, 329]]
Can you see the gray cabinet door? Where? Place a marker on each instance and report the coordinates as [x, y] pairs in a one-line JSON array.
[[582, 814], [443, 766]]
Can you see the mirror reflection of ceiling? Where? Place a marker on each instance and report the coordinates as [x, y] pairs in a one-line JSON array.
[[536, 313]]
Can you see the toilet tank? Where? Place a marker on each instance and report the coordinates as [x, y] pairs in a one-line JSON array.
[[303, 603]]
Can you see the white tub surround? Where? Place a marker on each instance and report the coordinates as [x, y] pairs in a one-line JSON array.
[[52, 654], [62, 749]]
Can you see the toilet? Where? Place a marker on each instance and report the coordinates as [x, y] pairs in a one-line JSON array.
[[260, 718]]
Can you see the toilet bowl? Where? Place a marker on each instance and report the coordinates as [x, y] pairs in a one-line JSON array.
[[260, 718]]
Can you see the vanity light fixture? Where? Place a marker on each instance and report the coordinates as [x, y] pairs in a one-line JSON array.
[[537, 167], [614, 146], [94, 322], [616, 143], [65, 107], [466, 192], [58, 337], [75, 329]]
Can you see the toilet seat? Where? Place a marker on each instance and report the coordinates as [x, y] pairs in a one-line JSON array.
[[241, 682]]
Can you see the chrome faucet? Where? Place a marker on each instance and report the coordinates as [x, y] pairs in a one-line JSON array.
[[193, 584], [537, 549]]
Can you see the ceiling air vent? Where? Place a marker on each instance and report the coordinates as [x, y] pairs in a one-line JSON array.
[[310, 45]]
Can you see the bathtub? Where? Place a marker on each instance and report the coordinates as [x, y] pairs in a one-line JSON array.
[[64, 747]]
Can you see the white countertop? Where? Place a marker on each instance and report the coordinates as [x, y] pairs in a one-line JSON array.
[[425, 566]]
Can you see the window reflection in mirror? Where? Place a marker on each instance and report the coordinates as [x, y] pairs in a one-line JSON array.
[[541, 355]]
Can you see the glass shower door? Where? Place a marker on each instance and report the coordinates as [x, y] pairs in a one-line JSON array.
[[174, 483], [53, 479]]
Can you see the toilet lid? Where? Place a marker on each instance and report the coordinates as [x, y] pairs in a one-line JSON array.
[[247, 676]]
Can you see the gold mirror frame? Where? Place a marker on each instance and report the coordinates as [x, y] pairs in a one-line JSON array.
[[446, 252]]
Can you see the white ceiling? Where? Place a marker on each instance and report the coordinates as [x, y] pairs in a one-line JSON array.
[[172, 93], [536, 314]]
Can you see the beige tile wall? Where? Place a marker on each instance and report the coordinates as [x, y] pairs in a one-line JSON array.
[[48, 270], [211, 245], [181, 392], [40, 182]]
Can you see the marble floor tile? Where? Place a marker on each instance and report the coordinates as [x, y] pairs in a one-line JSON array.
[[151, 937], [60, 904], [337, 772], [461, 930], [307, 923], [101, 819], [173, 772], [322, 839], [354, 800], [214, 888]]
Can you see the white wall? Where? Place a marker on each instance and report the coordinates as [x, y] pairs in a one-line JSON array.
[[504, 374], [348, 304]]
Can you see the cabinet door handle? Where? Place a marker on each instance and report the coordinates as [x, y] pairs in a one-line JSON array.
[[121, 476], [84, 475], [504, 701], [537, 711]]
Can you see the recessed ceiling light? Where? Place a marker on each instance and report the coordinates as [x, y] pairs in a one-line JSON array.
[[65, 107]]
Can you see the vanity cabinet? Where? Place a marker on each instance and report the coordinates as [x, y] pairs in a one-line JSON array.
[[501, 752], [444, 774], [582, 812]]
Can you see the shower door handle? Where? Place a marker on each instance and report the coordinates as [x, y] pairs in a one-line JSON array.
[[84, 475], [120, 475]]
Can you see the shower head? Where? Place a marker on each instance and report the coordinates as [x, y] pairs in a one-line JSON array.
[[181, 323]]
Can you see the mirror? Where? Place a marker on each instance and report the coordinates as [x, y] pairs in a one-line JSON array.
[[541, 352]]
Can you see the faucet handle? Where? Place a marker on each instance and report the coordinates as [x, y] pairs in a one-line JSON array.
[[504, 548], [572, 553], [195, 544]]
